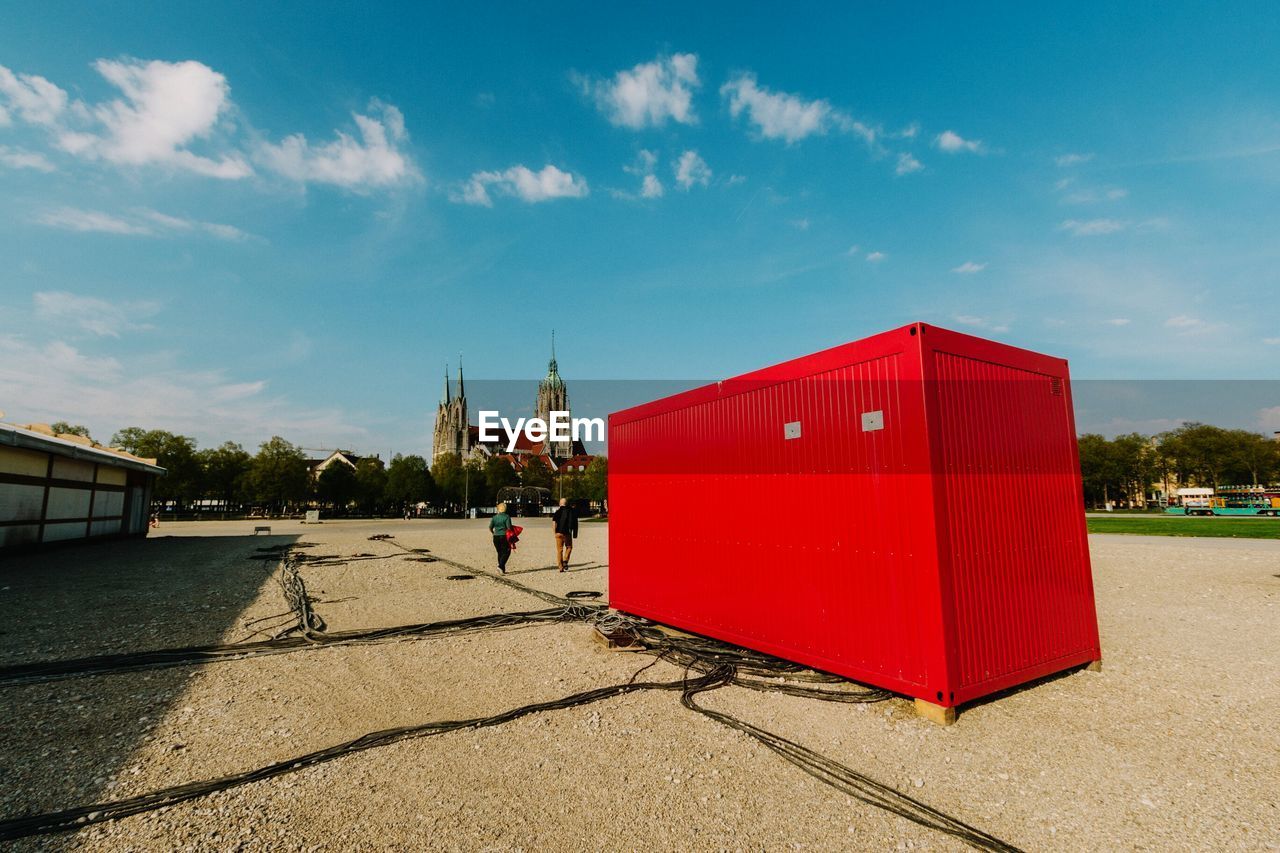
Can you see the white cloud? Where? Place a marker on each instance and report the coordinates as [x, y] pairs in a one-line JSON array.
[[1065, 160], [969, 268], [650, 187], [33, 98], [1187, 325], [853, 250], [1092, 227], [876, 257], [734, 180], [650, 93], [16, 158], [377, 159], [981, 323], [907, 164], [73, 219], [1118, 321], [97, 316], [65, 359], [646, 162], [524, 183], [177, 223], [142, 221], [56, 381], [691, 169], [1271, 342], [800, 224], [952, 143], [1091, 196], [780, 115], [166, 107]]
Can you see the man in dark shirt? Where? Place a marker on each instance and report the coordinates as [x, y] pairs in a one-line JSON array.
[[565, 520]]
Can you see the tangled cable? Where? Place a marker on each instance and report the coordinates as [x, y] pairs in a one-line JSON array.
[[309, 623], [35, 673], [81, 816], [708, 665]]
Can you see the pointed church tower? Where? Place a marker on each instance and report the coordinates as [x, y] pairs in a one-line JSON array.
[[452, 432], [553, 397]]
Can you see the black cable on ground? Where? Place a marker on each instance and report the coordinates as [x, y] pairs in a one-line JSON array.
[[309, 623], [548, 597], [81, 816], [583, 593], [719, 665], [42, 671], [847, 780]]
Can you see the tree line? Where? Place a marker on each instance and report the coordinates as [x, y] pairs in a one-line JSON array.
[[1126, 469], [279, 478]]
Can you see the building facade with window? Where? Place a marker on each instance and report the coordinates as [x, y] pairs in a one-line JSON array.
[[57, 488]]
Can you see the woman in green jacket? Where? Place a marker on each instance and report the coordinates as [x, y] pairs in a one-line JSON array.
[[499, 526]]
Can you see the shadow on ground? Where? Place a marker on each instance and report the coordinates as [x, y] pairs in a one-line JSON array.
[[66, 743]]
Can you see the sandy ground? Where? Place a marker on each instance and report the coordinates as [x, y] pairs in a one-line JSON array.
[[1171, 746]]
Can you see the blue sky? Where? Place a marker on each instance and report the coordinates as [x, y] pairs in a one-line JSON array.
[[242, 220]]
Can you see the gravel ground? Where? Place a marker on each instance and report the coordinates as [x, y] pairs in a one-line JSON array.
[[1171, 746]]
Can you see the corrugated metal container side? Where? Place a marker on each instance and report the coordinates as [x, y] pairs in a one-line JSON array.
[[768, 511], [1014, 553]]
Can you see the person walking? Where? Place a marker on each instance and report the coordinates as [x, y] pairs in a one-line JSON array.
[[500, 526], [565, 521]]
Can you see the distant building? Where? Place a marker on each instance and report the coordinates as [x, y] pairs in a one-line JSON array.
[[455, 434], [553, 397], [453, 430], [340, 457], [61, 487]]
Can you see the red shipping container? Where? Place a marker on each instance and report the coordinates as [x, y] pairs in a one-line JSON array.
[[904, 511]]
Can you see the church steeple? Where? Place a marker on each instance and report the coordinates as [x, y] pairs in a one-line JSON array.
[[553, 379], [553, 397], [461, 391], [445, 399]]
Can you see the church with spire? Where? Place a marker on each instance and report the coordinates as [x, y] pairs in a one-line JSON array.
[[452, 432], [553, 397], [455, 434]]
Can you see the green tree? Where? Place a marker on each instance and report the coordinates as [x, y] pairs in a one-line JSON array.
[[226, 470], [64, 428], [279, 474], [498, 474], [474, 487], [536, 472], [1253, 459], [446, 471], [1131, 456], [408, 481], [596, 479], [1201, 453], [337, 485], [371, 484], [183, 479]]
